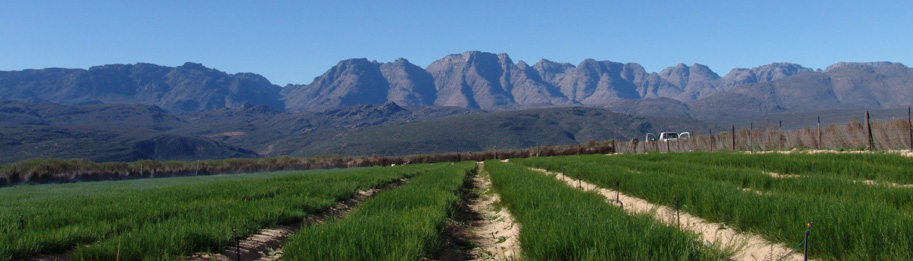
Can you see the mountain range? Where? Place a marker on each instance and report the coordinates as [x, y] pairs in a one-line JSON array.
[[463, 102], [480, 80]]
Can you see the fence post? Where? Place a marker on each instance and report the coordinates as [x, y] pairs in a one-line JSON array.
[[818, 142], [750, 129], [780, 136], [732, 138], [711, 140], [693, 137], [910, 127], [868, 131]]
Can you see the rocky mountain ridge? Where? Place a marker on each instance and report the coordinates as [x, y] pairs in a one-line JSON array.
[[485, 81]]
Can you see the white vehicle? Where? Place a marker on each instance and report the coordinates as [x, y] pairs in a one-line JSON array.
[[668, 136]]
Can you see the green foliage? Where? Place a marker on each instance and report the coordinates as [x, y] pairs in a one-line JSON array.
[[403, 224], [852, 220], [561, 223], [169, 218]]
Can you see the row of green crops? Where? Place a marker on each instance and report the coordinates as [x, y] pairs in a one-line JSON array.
[[877, 166], [821, 185], [852, 221], [169, 218], [404, 224], [561, 223]]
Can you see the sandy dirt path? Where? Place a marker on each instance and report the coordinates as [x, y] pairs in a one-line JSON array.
[[884, 184], [745, 246], [495, 235], [267, 243], [780, 176], [865, 182]]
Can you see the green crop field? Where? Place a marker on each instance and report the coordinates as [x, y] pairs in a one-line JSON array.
[[404, 224], [852, 220], [861, 206], [169, 218], [562, 223]]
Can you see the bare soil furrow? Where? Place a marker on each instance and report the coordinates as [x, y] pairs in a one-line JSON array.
[[495, 234]]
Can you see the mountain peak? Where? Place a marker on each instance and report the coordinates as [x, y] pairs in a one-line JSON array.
[[194, 66], [860, 64]]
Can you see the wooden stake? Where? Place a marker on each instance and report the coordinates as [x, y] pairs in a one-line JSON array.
[[780, 136], [750, 129], [693, 137], [818, 142], [868, 131], [711, 139], [732, 137]]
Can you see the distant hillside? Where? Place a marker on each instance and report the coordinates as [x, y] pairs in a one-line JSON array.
[[268, 131], [187, 88], [124, 132], [841, 86], [101, 132], [107, 144], [496, 130], [134, 132]]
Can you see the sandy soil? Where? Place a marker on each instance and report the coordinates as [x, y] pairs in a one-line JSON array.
[[905, 153], [496, 234], [780, 176], [745, 246], [886, 184], [267, 244]]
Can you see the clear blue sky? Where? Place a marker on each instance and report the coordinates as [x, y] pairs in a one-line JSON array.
[[293, 42]]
